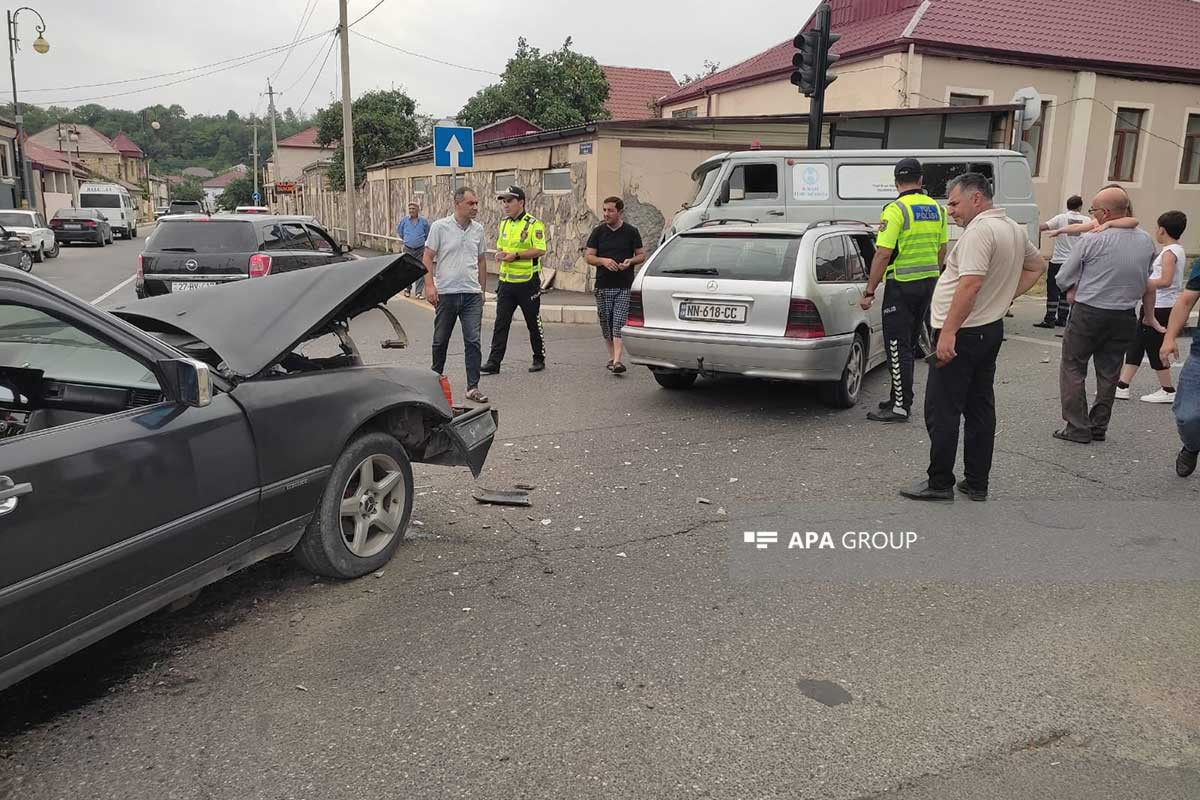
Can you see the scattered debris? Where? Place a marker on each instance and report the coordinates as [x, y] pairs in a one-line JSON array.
[[721, 510], [578, 529], [297, 618], [545, 522], [529, 487], [502, 497], [302, 687], [468, 608], [733, 480], [548, 570], [622, 555], [486, 526], [704, 501]]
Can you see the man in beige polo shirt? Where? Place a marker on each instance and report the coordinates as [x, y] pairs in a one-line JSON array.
[[993, 263]]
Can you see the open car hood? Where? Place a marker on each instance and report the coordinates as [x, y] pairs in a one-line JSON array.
[[254, 323]]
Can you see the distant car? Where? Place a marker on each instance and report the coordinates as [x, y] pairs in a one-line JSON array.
[[13, 253], [244, 446], [186, 207], [252, 210], [162, 211], [114, 202], [765, 301], [188, 252], [81, 225], [30, 227]]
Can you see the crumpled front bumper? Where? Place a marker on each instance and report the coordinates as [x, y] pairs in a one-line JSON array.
[[465, 440]]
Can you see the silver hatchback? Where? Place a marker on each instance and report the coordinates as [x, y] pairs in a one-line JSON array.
[[764, 301]]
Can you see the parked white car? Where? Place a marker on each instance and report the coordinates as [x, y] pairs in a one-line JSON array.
[[36, 237]]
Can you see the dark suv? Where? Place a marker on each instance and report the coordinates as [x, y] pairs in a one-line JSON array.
[[192, 252], [185, 207]]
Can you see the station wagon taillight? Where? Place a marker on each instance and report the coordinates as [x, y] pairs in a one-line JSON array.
[[804, 321], [636, 317], [260, 265]]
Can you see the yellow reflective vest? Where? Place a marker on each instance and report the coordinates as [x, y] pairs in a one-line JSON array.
[[914, 229], [524, 233]]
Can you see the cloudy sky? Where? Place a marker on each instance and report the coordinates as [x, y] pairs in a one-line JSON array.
[[100, 48]]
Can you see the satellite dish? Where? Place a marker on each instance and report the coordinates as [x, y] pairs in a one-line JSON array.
[[1032, 101]]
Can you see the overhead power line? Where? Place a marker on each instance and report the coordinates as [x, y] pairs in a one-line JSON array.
[[239, 59], [302, 75], [369, 13], [423, 56], [320, 72], [305, 16]]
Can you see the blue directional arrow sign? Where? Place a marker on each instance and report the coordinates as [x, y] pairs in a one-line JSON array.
[[257, 198], [454, 147]]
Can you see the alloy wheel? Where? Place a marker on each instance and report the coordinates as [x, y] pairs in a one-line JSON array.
[[372, 505]]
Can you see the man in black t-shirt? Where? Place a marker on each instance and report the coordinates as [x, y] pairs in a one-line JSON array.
[[614, 249]]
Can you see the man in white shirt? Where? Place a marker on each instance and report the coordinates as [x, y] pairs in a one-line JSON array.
[[992, 263], [1056, 301], [455, 274]]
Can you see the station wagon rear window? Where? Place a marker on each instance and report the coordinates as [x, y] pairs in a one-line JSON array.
[[725, 254], [203, 236]]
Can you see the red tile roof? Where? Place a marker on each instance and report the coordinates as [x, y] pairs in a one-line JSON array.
[[632, 90], [44, 158], [226, 178], [126, 146], [1160, 35], [305, 138]]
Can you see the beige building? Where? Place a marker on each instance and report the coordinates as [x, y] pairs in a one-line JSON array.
[[1120, 92], [295, 153]]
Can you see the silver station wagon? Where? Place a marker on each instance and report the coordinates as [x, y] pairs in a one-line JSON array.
[[779, 302]]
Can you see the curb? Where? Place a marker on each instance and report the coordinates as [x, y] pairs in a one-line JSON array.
[[569, 315]]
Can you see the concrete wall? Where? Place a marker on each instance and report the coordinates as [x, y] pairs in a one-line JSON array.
[[655, 181]]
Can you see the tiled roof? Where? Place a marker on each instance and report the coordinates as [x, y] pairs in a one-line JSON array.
[[126, 146], [91, 140], [305, 138], [44, 158], [1158, 34], [632, 90], [226, 178]]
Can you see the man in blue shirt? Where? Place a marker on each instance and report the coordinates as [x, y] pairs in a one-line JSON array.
[[414, 229], [1187, 393]]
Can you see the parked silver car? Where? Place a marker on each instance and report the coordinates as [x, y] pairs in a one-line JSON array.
[[765, 301]]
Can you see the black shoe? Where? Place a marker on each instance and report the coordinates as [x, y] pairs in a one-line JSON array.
[[975, 494], [923, 491], [1098, 436], [1064, 437], [884, 405], [1185, 462], [537, 366], [1046, 323], [489, 369], [1060, 323], [887, 415]]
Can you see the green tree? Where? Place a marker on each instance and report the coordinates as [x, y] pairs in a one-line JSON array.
[[239, 192], [385, 124], [554, 90], [709, 68], [188, 190]]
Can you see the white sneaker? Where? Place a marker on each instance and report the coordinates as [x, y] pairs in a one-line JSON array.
[[1161, 396], [1122, 394]]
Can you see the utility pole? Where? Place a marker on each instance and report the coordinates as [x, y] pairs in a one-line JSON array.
[[347, 125], [255, 154], [274, 140]]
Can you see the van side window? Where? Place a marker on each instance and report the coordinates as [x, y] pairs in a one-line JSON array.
[[754, 182], [831, 260], [938, 175]]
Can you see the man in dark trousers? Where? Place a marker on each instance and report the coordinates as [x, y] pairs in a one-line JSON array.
[[991, 264], [615, 250], [909, 251], [519, 248]]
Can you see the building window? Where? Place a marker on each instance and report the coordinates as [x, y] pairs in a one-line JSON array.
[[460, 181], [1125, 144], [556, 181], [1190, 171], [420, 185], [1035, 138], [957, 99], [4, 160], [502, 180], [683, 113]]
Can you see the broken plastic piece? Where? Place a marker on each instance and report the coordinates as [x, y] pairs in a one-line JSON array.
[[502, 497]]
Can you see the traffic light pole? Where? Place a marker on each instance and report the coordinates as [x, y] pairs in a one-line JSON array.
[[816, 108]]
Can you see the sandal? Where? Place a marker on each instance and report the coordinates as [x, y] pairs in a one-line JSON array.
[[476, 396], [618, 368], [609, 366]]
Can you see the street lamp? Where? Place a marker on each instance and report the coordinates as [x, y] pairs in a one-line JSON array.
[[40, 45]]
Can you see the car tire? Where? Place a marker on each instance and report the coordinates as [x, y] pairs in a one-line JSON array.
[[356, 530], [25, 264], [844, 393], [133, 233], [39, 255], [100, 239], [55, 250], [675, 380]]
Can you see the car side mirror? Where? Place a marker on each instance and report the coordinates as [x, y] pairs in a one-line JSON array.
[[344, 249], [187, 381], [723, 196]]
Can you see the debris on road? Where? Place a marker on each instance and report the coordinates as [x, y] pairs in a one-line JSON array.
[[529, 487], [704, 501], [502, 497], [622, 555], [379, 574], [301, 687], [545, 522]]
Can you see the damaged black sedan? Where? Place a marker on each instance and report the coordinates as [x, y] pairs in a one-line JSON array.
[[147, 452]]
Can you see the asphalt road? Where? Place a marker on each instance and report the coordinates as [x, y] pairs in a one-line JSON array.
[[92, 272], [614, 641]]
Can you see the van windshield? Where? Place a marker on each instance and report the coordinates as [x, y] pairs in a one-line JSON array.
[[99, 200], [720, 254], [704, 184]]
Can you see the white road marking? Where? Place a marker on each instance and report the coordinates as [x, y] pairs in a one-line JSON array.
[[114, 290]]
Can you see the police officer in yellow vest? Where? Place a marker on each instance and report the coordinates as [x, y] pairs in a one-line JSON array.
[[519, 249], [910, 251]]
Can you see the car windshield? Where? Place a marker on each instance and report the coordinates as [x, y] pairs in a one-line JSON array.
[[203, 236], [100, 201], [15, 219], [704, 183], [35, 340], [727, 254]]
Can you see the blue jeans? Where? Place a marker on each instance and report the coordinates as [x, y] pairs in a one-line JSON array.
[[418, 287], [466, 307], [1187, 402]]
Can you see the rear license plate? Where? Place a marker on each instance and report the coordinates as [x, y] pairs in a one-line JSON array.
[[712, 312], [188, 286], [73, 227]]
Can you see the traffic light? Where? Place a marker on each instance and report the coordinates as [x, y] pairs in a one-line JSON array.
[[830, 57], [804, 61]]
